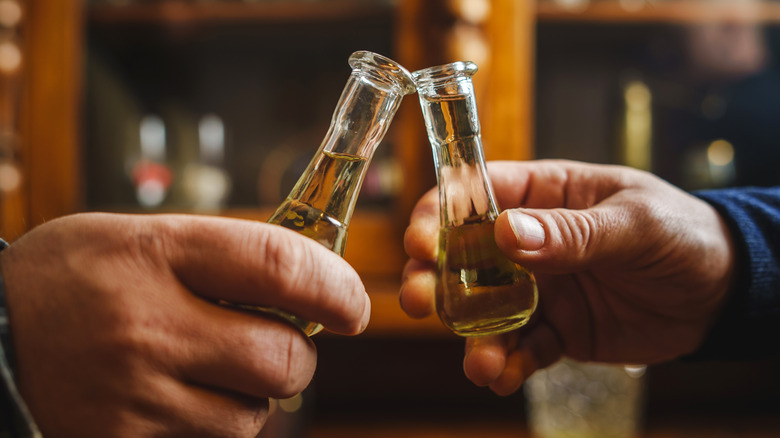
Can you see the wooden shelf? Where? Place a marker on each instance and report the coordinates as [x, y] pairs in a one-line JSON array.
[[670, 11], [388, 320], [181, 12]]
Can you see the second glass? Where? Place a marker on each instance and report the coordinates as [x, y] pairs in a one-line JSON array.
[[479, 291]]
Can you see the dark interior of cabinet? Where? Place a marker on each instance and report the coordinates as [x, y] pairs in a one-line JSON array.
[[702, 91], [273, 83], [387, 382]]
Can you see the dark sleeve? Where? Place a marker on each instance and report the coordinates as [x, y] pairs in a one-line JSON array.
[[749, 324]]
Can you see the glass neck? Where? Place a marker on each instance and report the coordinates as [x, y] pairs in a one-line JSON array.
[[363, 114], [465, 194], [450, 112]]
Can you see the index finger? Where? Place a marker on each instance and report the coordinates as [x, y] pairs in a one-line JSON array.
[[421, 236], [260, 264], [547, 184]]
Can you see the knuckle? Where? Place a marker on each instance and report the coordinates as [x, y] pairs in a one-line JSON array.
[[285, 272], [154, 241], [252, 416], [296, 366], [287, 364], [578, 231], [329, 284]]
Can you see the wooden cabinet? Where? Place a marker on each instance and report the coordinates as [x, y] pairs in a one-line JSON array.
[[58, 153], [55, 146], [49, 117]]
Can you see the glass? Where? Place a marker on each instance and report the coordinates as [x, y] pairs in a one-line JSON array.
[[572, 399], [479, 291], [320, 205]]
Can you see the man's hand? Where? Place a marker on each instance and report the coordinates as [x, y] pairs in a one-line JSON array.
[[117, 333], [630, 269]]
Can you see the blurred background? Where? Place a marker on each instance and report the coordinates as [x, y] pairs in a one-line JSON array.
[[216, 107]]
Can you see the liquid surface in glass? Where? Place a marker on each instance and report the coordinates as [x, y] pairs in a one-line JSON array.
[[321, 203], [479, 291]]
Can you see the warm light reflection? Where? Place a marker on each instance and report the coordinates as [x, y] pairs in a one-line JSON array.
[[573, 5], [720, 153], [10, 57], [632, 5], [468, 42], [635, 371], [472, 11], [291, 404], [637, 96], [10, 13], [10, 177], [637, 135]]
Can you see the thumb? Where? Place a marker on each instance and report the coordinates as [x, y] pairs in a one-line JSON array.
[[559, 240]]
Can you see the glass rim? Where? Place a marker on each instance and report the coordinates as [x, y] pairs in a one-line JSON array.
[[392, 70], [444, 73]]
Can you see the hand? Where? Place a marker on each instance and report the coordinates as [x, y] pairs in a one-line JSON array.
[[117, 333], [630, 269]]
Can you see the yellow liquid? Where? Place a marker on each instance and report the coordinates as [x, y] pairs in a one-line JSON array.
[[479, 291], [313, 223], [321, 203], [319, 206]]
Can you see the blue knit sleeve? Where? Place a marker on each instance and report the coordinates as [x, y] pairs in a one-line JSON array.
[[750, 320]]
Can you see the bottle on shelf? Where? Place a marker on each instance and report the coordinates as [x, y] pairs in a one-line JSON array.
[[151, 175]]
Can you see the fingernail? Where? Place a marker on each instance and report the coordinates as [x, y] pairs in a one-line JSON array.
[[528, 231]]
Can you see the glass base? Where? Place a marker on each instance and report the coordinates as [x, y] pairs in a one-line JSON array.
[[488, 327], [307, 327]]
